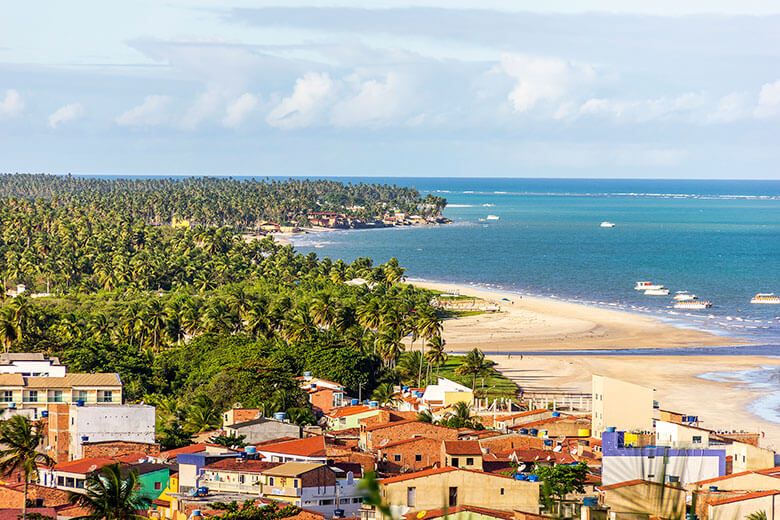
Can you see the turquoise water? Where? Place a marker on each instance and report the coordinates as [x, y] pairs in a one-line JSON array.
[[717, 239]]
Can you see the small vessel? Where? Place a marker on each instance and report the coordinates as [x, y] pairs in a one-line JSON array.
[[685, 296], [607, 224], [766, 298], [693, 305], [493, 217], [647, 286], [657, 292]]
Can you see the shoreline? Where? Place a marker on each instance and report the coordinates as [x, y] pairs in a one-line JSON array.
[[534, 323]]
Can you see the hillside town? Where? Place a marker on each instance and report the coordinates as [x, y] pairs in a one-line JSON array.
[[432, 452]]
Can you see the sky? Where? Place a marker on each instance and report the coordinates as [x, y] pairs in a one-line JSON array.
[[600, 88]]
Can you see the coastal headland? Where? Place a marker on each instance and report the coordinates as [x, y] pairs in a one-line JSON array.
[[536, 324]]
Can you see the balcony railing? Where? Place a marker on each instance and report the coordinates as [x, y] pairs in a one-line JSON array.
[[283, 491], [224, 485]]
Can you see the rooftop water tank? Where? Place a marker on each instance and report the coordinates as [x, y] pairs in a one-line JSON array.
[[548, 442], [523, 431], [355, 402], [583, 432], [84, 438], [338, 513], [533, 432], [556, 414], [373, 404], [307, 375], [542, 433], [713, 489], [241, 454], [280, 416], [533, 478], [590, 501], [251, 450], [196, 512], [45, 413], [519, 476], [80, 402], [611, 429]]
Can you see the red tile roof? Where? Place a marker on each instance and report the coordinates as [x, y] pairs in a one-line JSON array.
[[746, 496], [15, 514], [438, 513], [724, 477], [436, 471], [462, 448], [309, 447], [192, 448], [83, 466], [345, 411], [404, 441], [542, 422]]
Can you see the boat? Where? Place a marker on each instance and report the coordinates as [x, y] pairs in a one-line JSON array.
[[766, 298], [607, 224], [685, 296], [657, 292], [693, 305], [493, 217], [647, 286]]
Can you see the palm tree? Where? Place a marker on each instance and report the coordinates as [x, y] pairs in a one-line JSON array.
[[9, 329], [202, 415], [109, 496], [385, 395], [20, 439], [474, 364], [436, 354]]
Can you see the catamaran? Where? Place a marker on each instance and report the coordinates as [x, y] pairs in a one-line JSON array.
[[685, 296], [607, 224], [647, 286]]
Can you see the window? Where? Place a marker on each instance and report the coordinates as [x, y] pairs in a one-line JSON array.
[[70, 482], [357, 500], [697, 439], [469, 461], [80, 483], [158, 485], [80, 395], [32, 396], [502, 491], [296, 483], [105, 396], [241, 479], [55, 396], [60, 481], [397, 458], [326, 502], [8, 396], [270, 481], [411, 495], [455, 461], [453, 497], [418, 458]]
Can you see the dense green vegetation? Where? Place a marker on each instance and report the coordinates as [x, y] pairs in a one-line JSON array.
[[198, 319]]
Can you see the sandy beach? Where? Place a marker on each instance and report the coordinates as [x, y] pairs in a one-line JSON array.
[[537, 324]]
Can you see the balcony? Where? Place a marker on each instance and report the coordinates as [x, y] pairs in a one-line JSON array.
[[282, 491], [232, 487]]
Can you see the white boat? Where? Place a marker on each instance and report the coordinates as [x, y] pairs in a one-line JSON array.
[[647, 286], [493, 217], [607, 224], [694, 305], [657, 292], [766, 298], [685, 296]]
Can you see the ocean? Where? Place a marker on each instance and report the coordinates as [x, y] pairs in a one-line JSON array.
[[717, 239]]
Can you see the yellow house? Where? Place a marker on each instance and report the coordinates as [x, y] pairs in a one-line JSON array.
[[451, 487], [165, 506]]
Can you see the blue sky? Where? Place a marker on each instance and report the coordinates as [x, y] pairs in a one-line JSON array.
[[390, 88]]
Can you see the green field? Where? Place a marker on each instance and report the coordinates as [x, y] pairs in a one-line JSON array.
[[498, 385]]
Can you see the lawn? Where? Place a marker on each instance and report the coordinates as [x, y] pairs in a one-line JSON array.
[[498, 385]]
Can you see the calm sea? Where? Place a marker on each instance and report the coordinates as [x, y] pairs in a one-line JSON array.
[[717, 239]]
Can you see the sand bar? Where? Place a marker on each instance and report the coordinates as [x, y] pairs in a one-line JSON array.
[[529, 323]]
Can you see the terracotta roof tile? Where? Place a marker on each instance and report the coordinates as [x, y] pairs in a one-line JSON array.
[[462, 448], [346, 411], [309, 447], [746, 496], [241, 466]]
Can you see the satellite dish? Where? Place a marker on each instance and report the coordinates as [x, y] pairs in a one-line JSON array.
[[557, 449], [521, 468]]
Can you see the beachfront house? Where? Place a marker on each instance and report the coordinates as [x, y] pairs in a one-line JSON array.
[[621, 405]]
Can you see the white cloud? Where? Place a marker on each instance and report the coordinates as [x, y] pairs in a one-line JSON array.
[[769, 100], [730, 108], [207, 104], [539, 80], [12, 105], [374, 102], [65, 114], [309, 100], [237, 110], [152, 112]]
